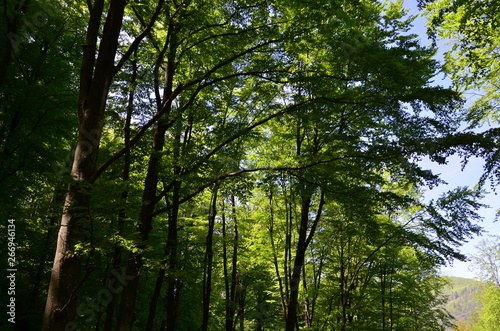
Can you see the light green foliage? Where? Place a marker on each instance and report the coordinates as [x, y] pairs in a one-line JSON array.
[[486, 265], [279, 106], [488, 315], [486, 262], [471, 59], [471, 28]]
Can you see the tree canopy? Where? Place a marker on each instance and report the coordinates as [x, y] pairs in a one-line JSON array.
[[228, 165]]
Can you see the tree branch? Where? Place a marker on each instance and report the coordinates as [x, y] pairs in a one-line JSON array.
[[139, 38], [244, 171]]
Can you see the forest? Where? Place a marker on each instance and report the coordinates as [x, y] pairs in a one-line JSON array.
[[239, 164]]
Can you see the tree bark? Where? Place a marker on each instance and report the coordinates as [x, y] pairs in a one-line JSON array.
[[291, 318], [60, 310], [231, 297], [307, 311], [275, 255], [207, 274], [154, 300], [173, 284], [305, 237]]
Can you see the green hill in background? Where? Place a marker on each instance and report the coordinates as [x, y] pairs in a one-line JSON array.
[[462, 297]]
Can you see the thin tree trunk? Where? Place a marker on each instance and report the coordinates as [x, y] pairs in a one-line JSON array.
[[234, 260], [149, 197], [291, 319], [207, 272], [302, 244], [154, 300], [127, 304], [232, 300], [275, 257], [224, 257], [288, 248], [307, 312], [317, 284], [158, 286], [383, 284], [60, 310], [116, 262], [241, 297], [173, 285]]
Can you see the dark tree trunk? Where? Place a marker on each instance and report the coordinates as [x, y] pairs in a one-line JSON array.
[[291, 318], [173, 285], [307, 311], [60, 310], [126, 312], [149, 198], [232, 282], [275, 255], [305, 237], [234, 261], [154, 300], [207, 274]]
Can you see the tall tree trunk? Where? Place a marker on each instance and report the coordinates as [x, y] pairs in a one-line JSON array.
[[291, 319], [207, 272], [307, 311], [154, 300], [60, 310], [116, 262], [288, 246], [383, 285], [305, 237], [241, 298], [318, 276], [149, 197], [231, 295], [126, 312], [275, 255], [225, 260], [234, 260], [159, 281], [344, 285], [173, 285]]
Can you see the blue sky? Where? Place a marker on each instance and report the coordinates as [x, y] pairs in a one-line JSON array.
[[455, 177]]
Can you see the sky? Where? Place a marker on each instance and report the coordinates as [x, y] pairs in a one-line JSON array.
[[453, 174]]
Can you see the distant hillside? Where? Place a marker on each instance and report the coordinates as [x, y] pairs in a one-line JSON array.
[[462, 294]]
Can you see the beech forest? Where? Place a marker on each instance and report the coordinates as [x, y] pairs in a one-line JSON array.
[[196, 165]]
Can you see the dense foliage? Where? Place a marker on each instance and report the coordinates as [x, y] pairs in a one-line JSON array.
[[227, 165], [462, 295]]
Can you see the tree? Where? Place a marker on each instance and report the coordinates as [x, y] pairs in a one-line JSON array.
[[487, 264], [487, 315], [96, 74], [472, 61], [37, 87], [238, 165]]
